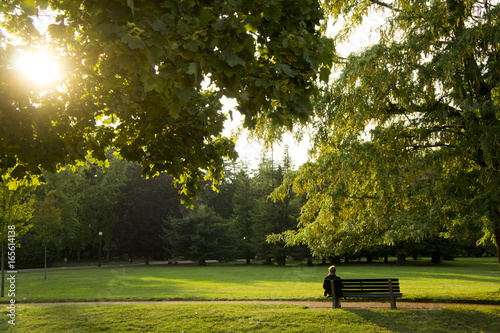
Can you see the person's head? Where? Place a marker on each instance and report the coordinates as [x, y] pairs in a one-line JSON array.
[[332, 269]]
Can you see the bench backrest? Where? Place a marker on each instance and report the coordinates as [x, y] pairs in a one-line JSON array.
[[369, 285]]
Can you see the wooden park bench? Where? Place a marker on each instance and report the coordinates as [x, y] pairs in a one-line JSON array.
[[385, 288]]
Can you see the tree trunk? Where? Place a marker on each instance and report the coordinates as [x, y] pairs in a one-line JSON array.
[[436, 257], [146, 259], [401, 258], [281, 260], [248, 261], [309, 261], [45, 276]]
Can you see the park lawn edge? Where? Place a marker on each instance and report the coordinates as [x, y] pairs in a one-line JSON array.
[[248, 317]]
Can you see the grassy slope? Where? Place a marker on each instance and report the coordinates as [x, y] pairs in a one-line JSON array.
[[464, 280], [247, 318], [473, 280]]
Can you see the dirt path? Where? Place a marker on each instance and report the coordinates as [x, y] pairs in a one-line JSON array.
[[308, 304]]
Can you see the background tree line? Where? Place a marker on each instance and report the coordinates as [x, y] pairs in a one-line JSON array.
[[405, 142], [143, 217]]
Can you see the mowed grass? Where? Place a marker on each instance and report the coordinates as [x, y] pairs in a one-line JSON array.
[[475, 280], [246, 318]]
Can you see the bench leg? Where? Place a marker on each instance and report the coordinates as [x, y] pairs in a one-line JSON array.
[[337, 302], [335, 299], [393, 303], [393, 299]]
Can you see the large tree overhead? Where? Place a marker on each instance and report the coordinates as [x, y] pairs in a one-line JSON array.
[[134, 74], [408, 145]]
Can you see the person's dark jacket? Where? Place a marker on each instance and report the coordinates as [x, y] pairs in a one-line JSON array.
[[338, 285]]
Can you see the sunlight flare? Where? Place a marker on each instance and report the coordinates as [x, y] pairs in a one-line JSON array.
[[39, 68]]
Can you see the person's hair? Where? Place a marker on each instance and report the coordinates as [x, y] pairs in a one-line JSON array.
[[332, 269]]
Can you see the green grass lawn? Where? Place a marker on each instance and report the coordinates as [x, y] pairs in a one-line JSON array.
[[462, 280], [475, 280], [246, 318]]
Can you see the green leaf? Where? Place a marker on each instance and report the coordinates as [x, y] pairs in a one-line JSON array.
[[285, 69], [324, 74], [192, 45], [259, 82], [284, 42], [151, 82], [205, 16], [185, 93], [132, 42], [234, 60], [158, 25]]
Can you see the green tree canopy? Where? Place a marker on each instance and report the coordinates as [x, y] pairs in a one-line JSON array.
[[408, 142], [273, 217], [141, 208], [46, 223], [134, 75], [16, 210], [200, 236], [243, 215]]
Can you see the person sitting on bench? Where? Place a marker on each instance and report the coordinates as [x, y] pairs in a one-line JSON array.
[[338, 284]]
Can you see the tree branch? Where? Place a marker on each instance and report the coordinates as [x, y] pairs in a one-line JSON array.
[[386, 5], [437, 145]]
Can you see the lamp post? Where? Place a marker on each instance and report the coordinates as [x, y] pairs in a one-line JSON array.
[[100, 234]]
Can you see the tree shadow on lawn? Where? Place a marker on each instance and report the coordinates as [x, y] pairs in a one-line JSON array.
[[450, 319]]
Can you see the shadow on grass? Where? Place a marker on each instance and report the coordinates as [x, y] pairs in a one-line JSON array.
[[451, 319]]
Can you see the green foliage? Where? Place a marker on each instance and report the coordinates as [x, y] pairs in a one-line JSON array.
[[140, 208], [199, 236], [273, 217], [243, 215], [46, 221], [16, 206], [220, 198], [134, 75], [407, 138], [31, 255], [69, 187], [16, 209], [86, 199]]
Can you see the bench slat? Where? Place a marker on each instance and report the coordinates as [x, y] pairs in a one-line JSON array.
[[368, 288], [354, 294], [371, 280]]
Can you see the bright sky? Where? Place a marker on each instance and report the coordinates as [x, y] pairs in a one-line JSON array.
[[251, 151]]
